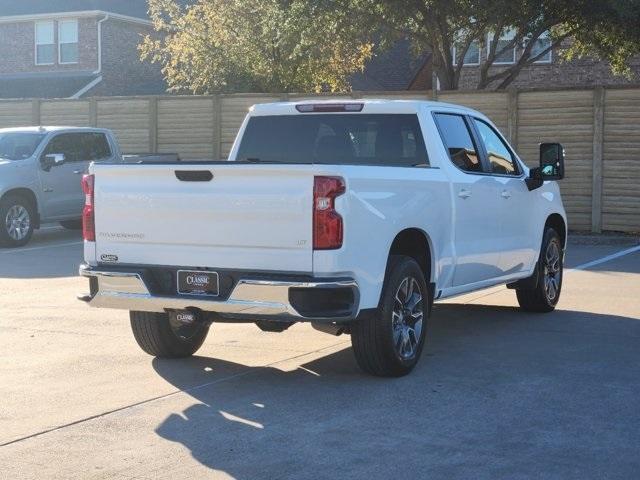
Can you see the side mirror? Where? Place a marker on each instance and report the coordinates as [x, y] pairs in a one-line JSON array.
[[551, 166], [551, 161], [52, 160]]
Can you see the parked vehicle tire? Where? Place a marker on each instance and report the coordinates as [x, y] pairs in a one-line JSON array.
[[161, 335], [390, 342], [546, 293], [17, 220], [72, 224]]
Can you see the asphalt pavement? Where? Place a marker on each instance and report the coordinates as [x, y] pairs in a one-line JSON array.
[[498, 393]]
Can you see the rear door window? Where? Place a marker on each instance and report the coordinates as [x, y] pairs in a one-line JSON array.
[[359, 139], [95, 146], [457, 139]]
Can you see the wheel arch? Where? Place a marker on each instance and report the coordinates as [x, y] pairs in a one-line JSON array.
[[556, 222], [415, 243]]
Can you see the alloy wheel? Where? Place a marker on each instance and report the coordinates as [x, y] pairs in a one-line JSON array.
[[18, 222], [407, 318], [552, 271]]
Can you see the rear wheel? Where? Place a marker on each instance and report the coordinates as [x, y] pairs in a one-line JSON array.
[[164, 335], [390, 342], [546, 293], [72, 224], [17, 218]]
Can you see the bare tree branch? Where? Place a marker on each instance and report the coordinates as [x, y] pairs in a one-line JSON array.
[[526, 60]]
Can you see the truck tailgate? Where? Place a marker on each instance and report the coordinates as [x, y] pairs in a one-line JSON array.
[[256, 217]]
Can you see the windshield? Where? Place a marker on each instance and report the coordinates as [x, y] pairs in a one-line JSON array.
[[350, 139], [19, 145]]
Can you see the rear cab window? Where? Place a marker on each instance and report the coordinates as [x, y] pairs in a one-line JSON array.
[[335, 139]]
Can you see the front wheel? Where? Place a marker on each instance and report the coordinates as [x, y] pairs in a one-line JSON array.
[[544, 296], [164, 335], [17, 218], [389, 343]]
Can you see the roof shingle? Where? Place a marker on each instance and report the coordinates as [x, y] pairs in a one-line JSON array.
[[55, 85], [392, 69], [132, 8]]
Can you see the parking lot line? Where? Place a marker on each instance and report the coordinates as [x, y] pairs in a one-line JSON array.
[[247, 371], [583, 266], [608, 258], [30, 249]]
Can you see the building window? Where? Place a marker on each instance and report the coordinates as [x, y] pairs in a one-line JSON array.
[[472, 57], [540, 45], [68, 41], [45, 43], [509, 55]]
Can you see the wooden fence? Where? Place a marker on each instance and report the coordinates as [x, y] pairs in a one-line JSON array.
[[600, 129]]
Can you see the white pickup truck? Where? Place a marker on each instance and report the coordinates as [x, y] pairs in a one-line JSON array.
[[353, 216]]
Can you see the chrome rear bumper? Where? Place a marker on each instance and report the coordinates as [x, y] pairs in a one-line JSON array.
[[249, 298]]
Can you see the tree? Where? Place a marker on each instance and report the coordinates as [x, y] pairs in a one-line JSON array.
[[258, 45], [605, 28]]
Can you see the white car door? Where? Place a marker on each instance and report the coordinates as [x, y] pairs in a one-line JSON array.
[[519, 249], [477, 239]]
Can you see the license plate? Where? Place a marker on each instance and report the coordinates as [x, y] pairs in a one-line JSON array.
[[197, 282]]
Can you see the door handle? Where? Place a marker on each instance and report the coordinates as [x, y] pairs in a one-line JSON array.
[[505, 194], [194, 175], [78, 172], [464, 193]]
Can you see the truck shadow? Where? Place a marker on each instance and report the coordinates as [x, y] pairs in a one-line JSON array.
[[497, 392]]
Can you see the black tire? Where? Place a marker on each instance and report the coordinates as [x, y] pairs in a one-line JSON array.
[[8, 206], [72, 224], [548, 284], [374, 337], [156, 335]]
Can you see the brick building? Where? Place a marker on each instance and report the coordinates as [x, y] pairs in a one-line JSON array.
[[74, 49], [80, 48], [397, 68]]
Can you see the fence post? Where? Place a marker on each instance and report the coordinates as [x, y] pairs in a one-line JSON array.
[[512, 117], [597, 167], [153, 124], [93, 112], [35, 111], [217, 127]]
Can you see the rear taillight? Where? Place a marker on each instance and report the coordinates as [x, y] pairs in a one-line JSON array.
[[327, 223], [88, 219]]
